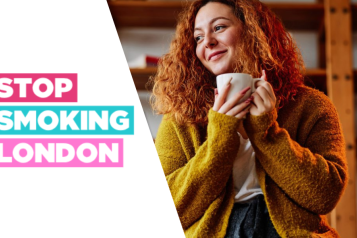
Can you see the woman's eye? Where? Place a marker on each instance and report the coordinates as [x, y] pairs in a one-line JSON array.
[[198, 38], [217, 28]]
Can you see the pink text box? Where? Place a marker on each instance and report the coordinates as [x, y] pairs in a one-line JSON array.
[[8, 147], [70, 96]]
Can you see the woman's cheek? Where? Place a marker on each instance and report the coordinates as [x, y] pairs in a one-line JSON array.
[[199, 53]]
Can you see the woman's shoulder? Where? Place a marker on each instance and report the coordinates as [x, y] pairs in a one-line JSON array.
[[169, 121], [172, 136], [169, 126], [313, 101], [309, 94], [167, 137]]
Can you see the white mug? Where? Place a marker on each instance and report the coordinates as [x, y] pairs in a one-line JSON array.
[[239, 82]]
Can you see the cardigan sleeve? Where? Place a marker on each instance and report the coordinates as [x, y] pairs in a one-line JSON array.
[[196, 182], [314, 176]]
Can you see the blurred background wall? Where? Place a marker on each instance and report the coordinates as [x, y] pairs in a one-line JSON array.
[[139, 41]]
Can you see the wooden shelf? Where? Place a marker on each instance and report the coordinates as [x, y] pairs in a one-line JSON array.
[[141, 76], [299, 16], [314, 77], [145, 13], [296, 16]]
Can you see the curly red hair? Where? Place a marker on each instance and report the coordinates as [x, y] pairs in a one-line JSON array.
[[184, 88]]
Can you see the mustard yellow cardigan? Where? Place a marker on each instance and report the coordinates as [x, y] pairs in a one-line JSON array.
[[300, 162]]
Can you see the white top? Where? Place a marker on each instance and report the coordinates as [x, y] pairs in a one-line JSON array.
[[246, 184]]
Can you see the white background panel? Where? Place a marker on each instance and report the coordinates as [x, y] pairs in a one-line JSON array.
[[72, 36]]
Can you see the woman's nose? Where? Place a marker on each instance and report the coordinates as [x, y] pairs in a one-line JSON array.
[[210, 41]]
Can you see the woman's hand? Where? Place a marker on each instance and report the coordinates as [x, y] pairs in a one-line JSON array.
[[264, 97], [231, 108]]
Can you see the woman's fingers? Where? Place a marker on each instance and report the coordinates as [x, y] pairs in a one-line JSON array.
[[240, 107], [242, 114], [264, 100], [265, 84], [260, 106], [264, 75], [258, 101], [227, 106], [263, 93], [221, 98]]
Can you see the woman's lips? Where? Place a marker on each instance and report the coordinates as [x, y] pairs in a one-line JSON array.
[[216, 56]]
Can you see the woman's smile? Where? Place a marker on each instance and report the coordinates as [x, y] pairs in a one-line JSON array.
[[216, 55]]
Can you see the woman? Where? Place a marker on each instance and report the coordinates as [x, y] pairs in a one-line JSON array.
[[285, 168]]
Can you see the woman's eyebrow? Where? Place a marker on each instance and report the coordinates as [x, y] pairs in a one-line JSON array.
[[217, 18], [213, 20]]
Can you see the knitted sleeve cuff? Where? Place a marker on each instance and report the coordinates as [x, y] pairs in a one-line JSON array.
[[260, 123], [222, 122]]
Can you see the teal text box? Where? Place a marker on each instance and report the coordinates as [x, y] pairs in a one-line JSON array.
[[122, 117]]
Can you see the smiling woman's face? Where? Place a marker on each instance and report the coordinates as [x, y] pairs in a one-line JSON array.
[[217, 33]]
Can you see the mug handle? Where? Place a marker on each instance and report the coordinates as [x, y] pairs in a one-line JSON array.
[[254, 81]]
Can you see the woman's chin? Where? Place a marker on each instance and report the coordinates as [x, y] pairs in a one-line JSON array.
[[219, 71]]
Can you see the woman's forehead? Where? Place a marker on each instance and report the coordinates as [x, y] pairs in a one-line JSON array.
[[211, 11]]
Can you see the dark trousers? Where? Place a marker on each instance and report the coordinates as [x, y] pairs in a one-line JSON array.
[[251, 220]]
